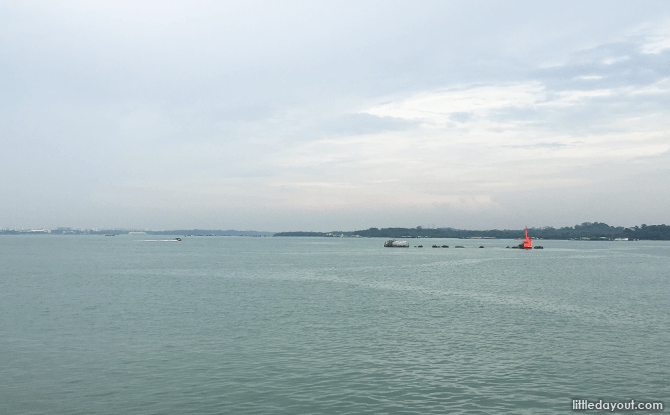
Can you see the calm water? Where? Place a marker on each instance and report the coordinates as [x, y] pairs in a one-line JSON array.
[[210, 325]]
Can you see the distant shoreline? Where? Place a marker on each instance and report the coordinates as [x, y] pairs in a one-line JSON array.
[[189, 232], [592, 231]]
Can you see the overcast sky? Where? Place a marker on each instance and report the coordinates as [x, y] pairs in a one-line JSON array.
[[306, 115]]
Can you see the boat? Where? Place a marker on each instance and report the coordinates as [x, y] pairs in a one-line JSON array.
[[109, 234], [392, 243]]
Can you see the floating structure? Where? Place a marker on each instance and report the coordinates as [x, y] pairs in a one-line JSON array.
[[526, 243], [392, 243]]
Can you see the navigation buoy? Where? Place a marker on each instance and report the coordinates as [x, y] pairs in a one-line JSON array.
[[527, 243]]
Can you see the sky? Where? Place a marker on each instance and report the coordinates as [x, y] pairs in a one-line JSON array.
[[320, 116]]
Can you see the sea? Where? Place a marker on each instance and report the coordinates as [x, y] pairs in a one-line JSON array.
[[143, 324]]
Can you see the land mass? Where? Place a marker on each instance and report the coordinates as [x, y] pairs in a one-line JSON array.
[[585, 231], [117, 231]]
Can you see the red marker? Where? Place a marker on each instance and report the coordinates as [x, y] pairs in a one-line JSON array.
[[527, 243]]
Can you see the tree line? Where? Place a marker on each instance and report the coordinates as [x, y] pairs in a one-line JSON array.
[[588, 230]]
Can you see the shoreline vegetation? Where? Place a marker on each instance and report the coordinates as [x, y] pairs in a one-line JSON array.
[[585, 231]]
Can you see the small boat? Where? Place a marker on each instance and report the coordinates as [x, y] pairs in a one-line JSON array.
[[445, 246], [109, 234], [177, 239]]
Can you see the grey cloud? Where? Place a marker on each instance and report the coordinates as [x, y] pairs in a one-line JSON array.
[[636, 69], [589, 115], [460, 116]]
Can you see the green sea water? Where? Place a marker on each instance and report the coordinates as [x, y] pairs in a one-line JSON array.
[[132, 324]]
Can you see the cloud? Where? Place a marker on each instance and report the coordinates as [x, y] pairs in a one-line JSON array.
[[590, 77], [439, 106], [366, 113], [658, 41], [363, 123], [611, 61]]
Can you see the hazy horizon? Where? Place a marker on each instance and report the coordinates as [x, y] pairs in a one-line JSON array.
[[295, 115], [123, 228]]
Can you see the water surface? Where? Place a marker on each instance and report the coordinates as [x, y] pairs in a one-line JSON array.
[[209, 325]]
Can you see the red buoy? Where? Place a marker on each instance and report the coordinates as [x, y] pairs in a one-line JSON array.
[[527, 243]]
